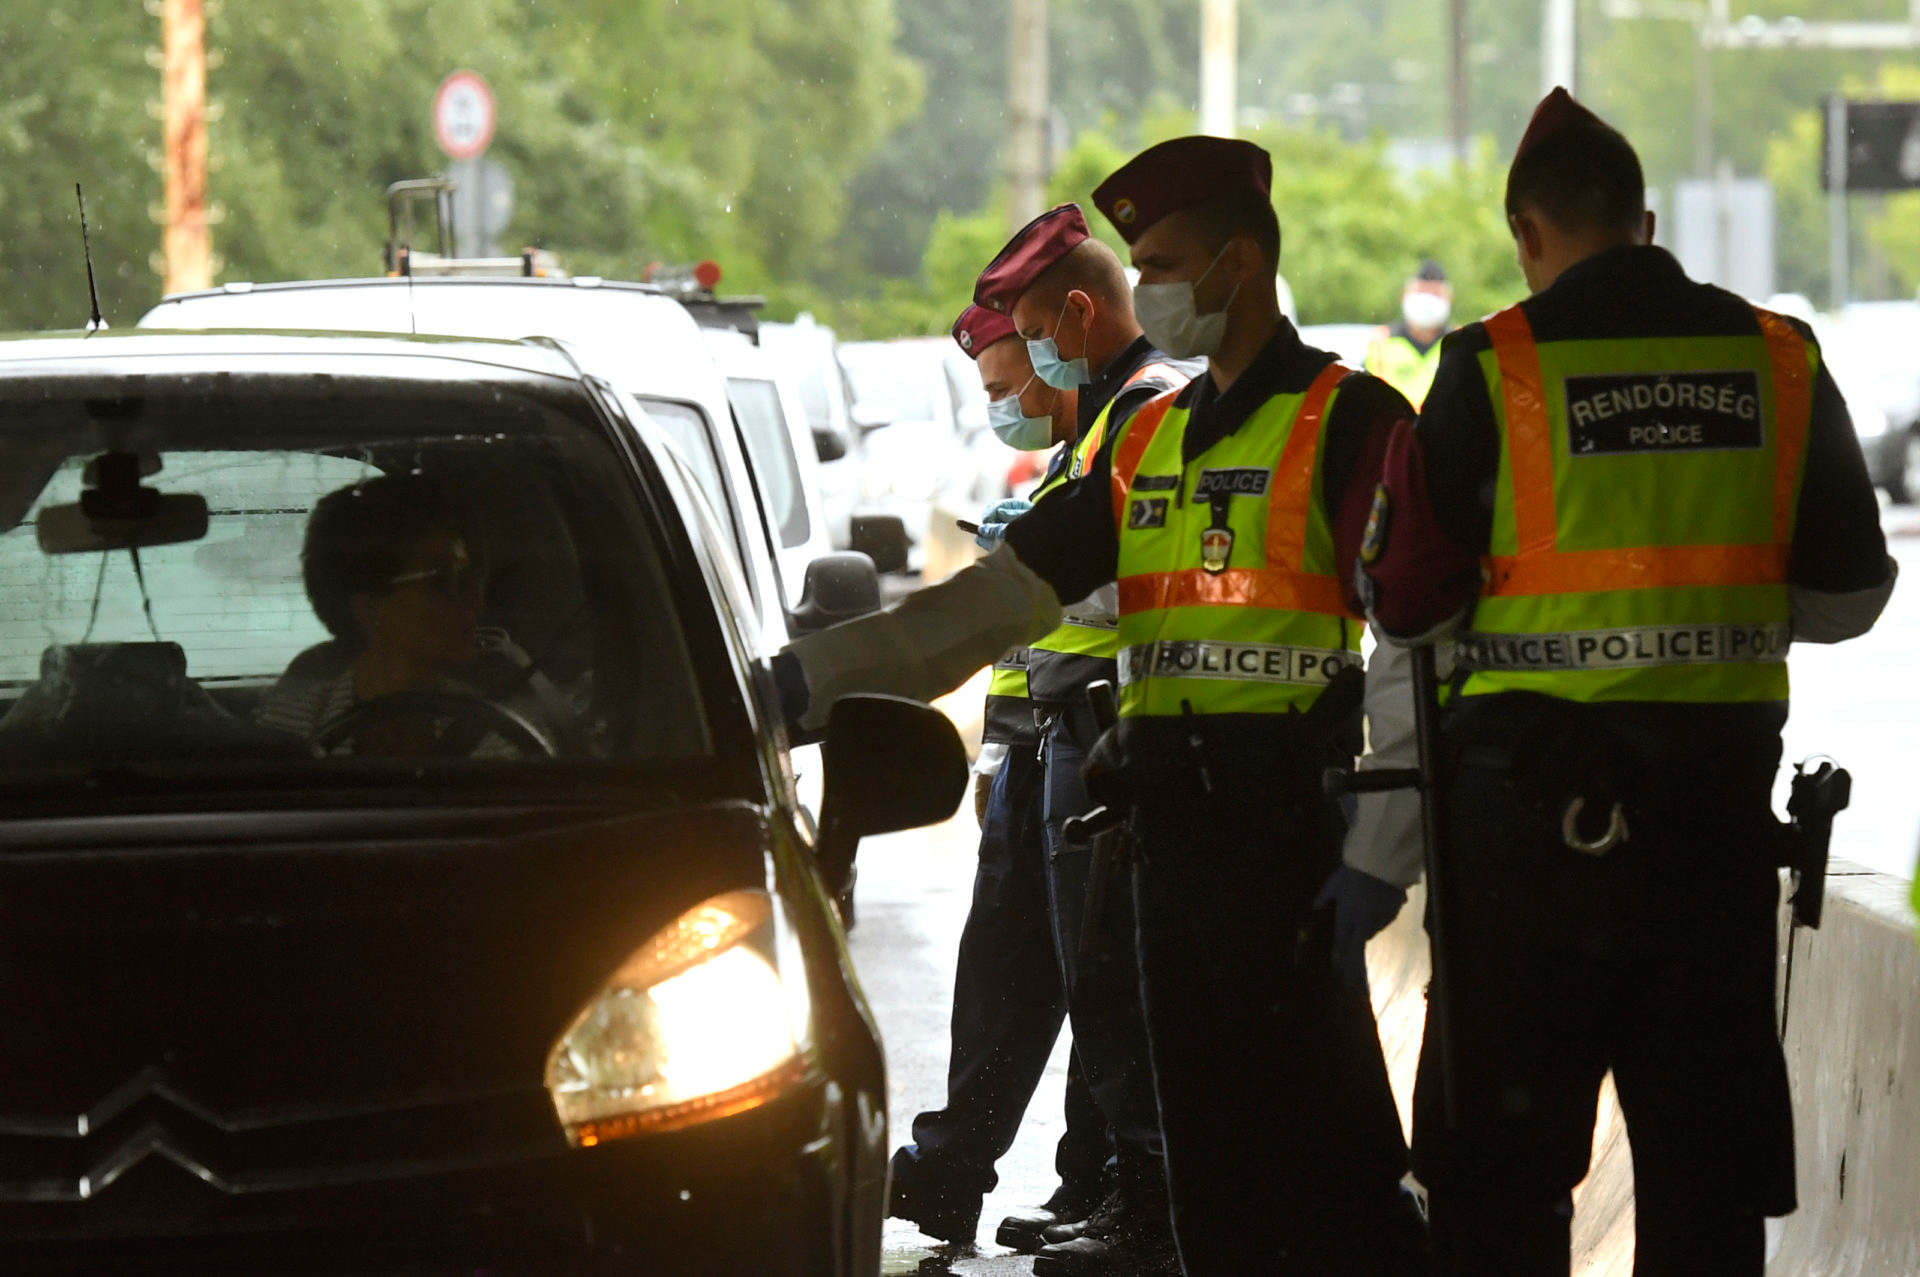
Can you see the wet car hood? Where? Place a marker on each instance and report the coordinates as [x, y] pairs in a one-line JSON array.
[[291, 969]]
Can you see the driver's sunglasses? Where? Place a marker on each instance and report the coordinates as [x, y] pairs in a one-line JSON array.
[[449, 580]]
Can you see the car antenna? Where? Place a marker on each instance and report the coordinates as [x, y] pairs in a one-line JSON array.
[[95, 323]]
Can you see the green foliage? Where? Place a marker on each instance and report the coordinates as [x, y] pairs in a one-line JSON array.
[[635, 131]]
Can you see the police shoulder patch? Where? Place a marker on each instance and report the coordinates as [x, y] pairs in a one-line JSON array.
[[1374, 542]]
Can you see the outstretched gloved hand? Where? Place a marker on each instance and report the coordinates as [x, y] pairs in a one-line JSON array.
[[1363, 906], [993, 524]]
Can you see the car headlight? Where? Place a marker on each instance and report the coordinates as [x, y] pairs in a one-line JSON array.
[[699, 1023]]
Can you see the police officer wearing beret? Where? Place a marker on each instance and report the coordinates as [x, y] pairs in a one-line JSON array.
[[1067, 295], [1223, 512], [1009, 996], [1627, 494]]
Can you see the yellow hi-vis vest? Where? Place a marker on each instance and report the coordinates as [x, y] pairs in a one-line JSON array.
[[1230, 602], [1398, 362], [1643, 516], [1056, 666]]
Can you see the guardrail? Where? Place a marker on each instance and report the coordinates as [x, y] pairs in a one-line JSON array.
[[1852, 1016]]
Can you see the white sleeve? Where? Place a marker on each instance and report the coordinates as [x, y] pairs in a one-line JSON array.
[[1385, 839], [933, 641], [1834, 618], [992, 754]]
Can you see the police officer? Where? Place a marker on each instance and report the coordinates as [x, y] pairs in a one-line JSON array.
[[1009, 997], [1222, 512], [1665, 487], [1405, 353], [1067, 294]]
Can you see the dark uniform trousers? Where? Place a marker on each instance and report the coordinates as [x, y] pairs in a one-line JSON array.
[[1283, 1146], [1008, 1006], [1656, 960], [1109, 1031]]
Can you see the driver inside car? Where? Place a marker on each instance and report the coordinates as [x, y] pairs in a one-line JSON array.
[[393, 574]]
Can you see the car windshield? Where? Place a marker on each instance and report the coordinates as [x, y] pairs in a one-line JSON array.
[[424, 575]]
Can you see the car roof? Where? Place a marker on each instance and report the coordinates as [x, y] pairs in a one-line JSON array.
[[128, 350], [606, 320]]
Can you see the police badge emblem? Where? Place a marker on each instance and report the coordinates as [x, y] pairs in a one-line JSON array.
[[1374, 542], [1216, 542]]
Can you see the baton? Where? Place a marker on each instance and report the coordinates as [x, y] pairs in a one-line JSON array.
[[1425, 778], [967, 526]]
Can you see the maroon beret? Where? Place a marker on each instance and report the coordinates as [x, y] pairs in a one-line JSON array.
[[1558, 116], [1036, 246], [976, 329], [1179, 174]]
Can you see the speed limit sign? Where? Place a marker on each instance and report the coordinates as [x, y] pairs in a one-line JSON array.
[[463, 115]]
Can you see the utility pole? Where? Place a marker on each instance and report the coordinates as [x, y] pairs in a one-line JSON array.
[[1219, 65], [1559, 47], [185, 246], [1027, 112], [1457, 77]]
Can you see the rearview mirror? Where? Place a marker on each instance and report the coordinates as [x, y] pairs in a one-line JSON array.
[[829, 444], [839, 587], [890, 764], [882, 538], [167, 519]]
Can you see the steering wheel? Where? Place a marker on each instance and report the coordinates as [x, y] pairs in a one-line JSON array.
[[479, 716]]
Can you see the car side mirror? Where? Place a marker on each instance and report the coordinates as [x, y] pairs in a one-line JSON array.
[[867, 416], [838, 588], [882, 538], [829, 444], [889, 764]]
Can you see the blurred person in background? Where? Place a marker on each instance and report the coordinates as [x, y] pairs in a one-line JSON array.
[[1404, 353]]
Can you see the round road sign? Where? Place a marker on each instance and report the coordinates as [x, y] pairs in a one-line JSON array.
[[463, 115]]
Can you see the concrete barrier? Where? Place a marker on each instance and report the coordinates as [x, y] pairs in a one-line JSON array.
[[1852, 1016]]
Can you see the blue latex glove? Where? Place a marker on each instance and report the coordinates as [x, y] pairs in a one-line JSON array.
[[993, 524], [1363, 906]]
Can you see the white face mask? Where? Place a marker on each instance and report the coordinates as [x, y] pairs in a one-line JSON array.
[[1168, 317], [1013, 427], [1424, 310]]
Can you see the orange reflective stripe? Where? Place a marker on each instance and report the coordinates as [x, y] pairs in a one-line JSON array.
[[1792, 413], [1642, 568], [1133, 446], [1236, 587], [1292, 484], [1529, 434]]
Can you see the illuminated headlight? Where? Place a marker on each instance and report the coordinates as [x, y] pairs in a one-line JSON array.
[[708, 1018]]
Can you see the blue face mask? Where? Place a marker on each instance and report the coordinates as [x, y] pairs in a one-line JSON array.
[[1061, 374], [1013, 427]]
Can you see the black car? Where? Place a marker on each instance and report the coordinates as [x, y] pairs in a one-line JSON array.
[[400, 868]]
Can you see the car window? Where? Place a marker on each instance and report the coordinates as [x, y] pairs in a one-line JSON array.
[[460, 577], [756, 402], [687, 426]]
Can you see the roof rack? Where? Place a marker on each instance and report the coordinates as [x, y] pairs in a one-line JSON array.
[[402, 258]]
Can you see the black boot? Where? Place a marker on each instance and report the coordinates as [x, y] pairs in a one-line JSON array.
[[1128, 1236], [1024, 1229], [942, 1214]]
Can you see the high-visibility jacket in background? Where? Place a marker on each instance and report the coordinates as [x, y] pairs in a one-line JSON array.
[[1394, 359], [1643, 515]]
